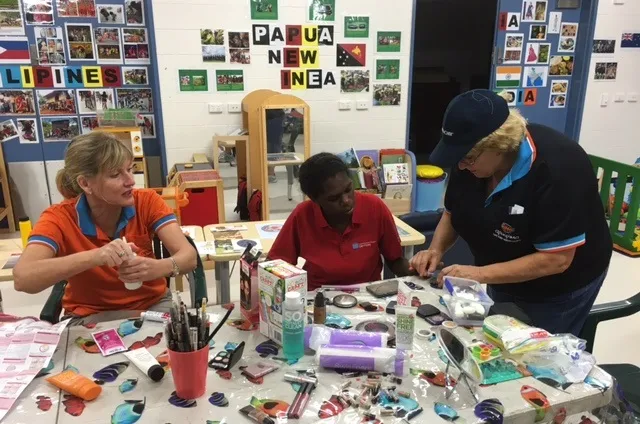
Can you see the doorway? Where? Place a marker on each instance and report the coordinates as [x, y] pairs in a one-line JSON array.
[[453, 48]]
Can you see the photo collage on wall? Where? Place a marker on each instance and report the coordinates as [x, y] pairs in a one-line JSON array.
[[91, 58], [301, 51], [539, 50]]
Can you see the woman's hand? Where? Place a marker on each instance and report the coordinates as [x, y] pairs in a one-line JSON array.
[[139, 268], [114, 253], [461, 271], [426, 262]]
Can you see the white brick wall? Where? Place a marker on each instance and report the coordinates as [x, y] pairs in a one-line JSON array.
[[614, 131], [189, 127]]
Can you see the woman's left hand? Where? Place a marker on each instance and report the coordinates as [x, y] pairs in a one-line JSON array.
[[461, 271], [139, 268]]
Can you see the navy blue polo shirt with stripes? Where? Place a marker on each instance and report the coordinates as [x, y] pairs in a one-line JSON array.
[[548, 202]]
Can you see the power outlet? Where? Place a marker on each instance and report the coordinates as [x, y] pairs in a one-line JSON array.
[[234, 108], [632, 97], [215, 108], [344, 105], [362, 105], [618, 97]]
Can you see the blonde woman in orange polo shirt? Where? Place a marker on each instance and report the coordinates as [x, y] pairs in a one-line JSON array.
[[82, 239]]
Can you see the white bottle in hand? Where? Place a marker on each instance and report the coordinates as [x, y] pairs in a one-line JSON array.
[[137, 284]]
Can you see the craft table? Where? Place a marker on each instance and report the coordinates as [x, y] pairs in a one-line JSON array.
[[282, 159], [8, 247], [408, 238], [239, 391]]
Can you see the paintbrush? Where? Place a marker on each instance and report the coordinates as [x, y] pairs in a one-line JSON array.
[[220, 324]]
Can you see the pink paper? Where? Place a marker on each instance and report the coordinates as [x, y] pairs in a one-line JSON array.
[[109, 342]]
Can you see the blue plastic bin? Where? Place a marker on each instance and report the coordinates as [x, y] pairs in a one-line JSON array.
[[429, 193]]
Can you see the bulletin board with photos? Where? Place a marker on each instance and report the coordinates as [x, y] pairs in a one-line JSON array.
[[65, 62], [329, 47], [537, 45]]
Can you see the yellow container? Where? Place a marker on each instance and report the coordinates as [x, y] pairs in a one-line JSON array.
[[25, 230]]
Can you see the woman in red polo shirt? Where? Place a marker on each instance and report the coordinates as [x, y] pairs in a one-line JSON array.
[[341, 234], [82, 239]]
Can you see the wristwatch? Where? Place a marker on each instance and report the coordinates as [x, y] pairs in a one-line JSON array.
[[176, 269]]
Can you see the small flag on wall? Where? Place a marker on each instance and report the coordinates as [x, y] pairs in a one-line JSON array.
[[630, 40], [508, 76], [14, 50], [351, 55]]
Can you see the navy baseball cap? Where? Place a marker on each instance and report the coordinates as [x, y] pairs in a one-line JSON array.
[[469, 118]]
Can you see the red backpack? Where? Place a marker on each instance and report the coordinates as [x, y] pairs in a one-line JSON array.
[[255, 206], [242, 203]]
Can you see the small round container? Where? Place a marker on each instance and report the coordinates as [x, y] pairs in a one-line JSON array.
[[133, 286], [424, 334], [450, 325]]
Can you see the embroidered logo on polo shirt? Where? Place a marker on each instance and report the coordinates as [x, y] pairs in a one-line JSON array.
[[505, 233], [360, 245], [507, 228], [447, 133]]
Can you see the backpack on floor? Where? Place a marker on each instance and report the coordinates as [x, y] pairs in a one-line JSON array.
[[255, 206], [242, 204]]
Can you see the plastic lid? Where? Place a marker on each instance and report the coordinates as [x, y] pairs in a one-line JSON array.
[[156, 372], [292, 300], [89, 391], [23, 219]]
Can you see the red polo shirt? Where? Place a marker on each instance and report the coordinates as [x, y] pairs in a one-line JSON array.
[[332, 258]]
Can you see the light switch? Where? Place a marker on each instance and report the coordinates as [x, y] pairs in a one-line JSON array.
[[344, 105], [618, 97], [215, 108], [362, 105], [632, 97], [604, 99]]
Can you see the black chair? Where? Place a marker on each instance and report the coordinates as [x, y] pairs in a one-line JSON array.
[[627, 375], [52, 308]]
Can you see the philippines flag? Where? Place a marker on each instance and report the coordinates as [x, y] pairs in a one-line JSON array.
[[14, 50], [630, 40]]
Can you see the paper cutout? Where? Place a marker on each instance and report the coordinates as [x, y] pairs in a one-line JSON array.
[[129, 327], [561, 415], [224, 374], [258, 380], [272, 407], [44, 403], [536, 399], [445, 411], [267, 348], [330, 408], [128, 412], [87, 345], [147, 342], [218, 399], [73, 405], [110, 373], [242, 324], [491, 411], [128, 385], [437, 379], [175, 400], [46, 370], [164, 361], [90, 325], [70, 367]]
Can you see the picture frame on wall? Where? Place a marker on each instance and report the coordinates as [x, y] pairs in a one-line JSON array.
[[135, 75], [11, 20], [17, 102], [134, 12], [80, 42], [110, 14], [568, 4], [59, 128]]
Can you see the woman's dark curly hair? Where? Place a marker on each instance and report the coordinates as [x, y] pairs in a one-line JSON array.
[[318, 169]]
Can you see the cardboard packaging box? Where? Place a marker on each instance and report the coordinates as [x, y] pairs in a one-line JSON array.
[[249, 285], [277, 278], [413, 293]]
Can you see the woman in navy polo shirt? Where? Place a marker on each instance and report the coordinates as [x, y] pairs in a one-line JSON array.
[[341, 234], [525, 198]]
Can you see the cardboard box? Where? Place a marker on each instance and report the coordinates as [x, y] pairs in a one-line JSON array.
[[413, 293], [275, 279], [249, 286]]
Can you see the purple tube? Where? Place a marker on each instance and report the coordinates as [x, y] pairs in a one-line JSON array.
[[317, 335], [362, 358]]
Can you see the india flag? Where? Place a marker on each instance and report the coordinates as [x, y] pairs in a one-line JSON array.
[[508, 76]]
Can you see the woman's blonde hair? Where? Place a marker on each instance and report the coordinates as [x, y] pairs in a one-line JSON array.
[[508, 137], [89, 155]]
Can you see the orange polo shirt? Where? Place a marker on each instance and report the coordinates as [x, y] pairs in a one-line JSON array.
[[67, 228]]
